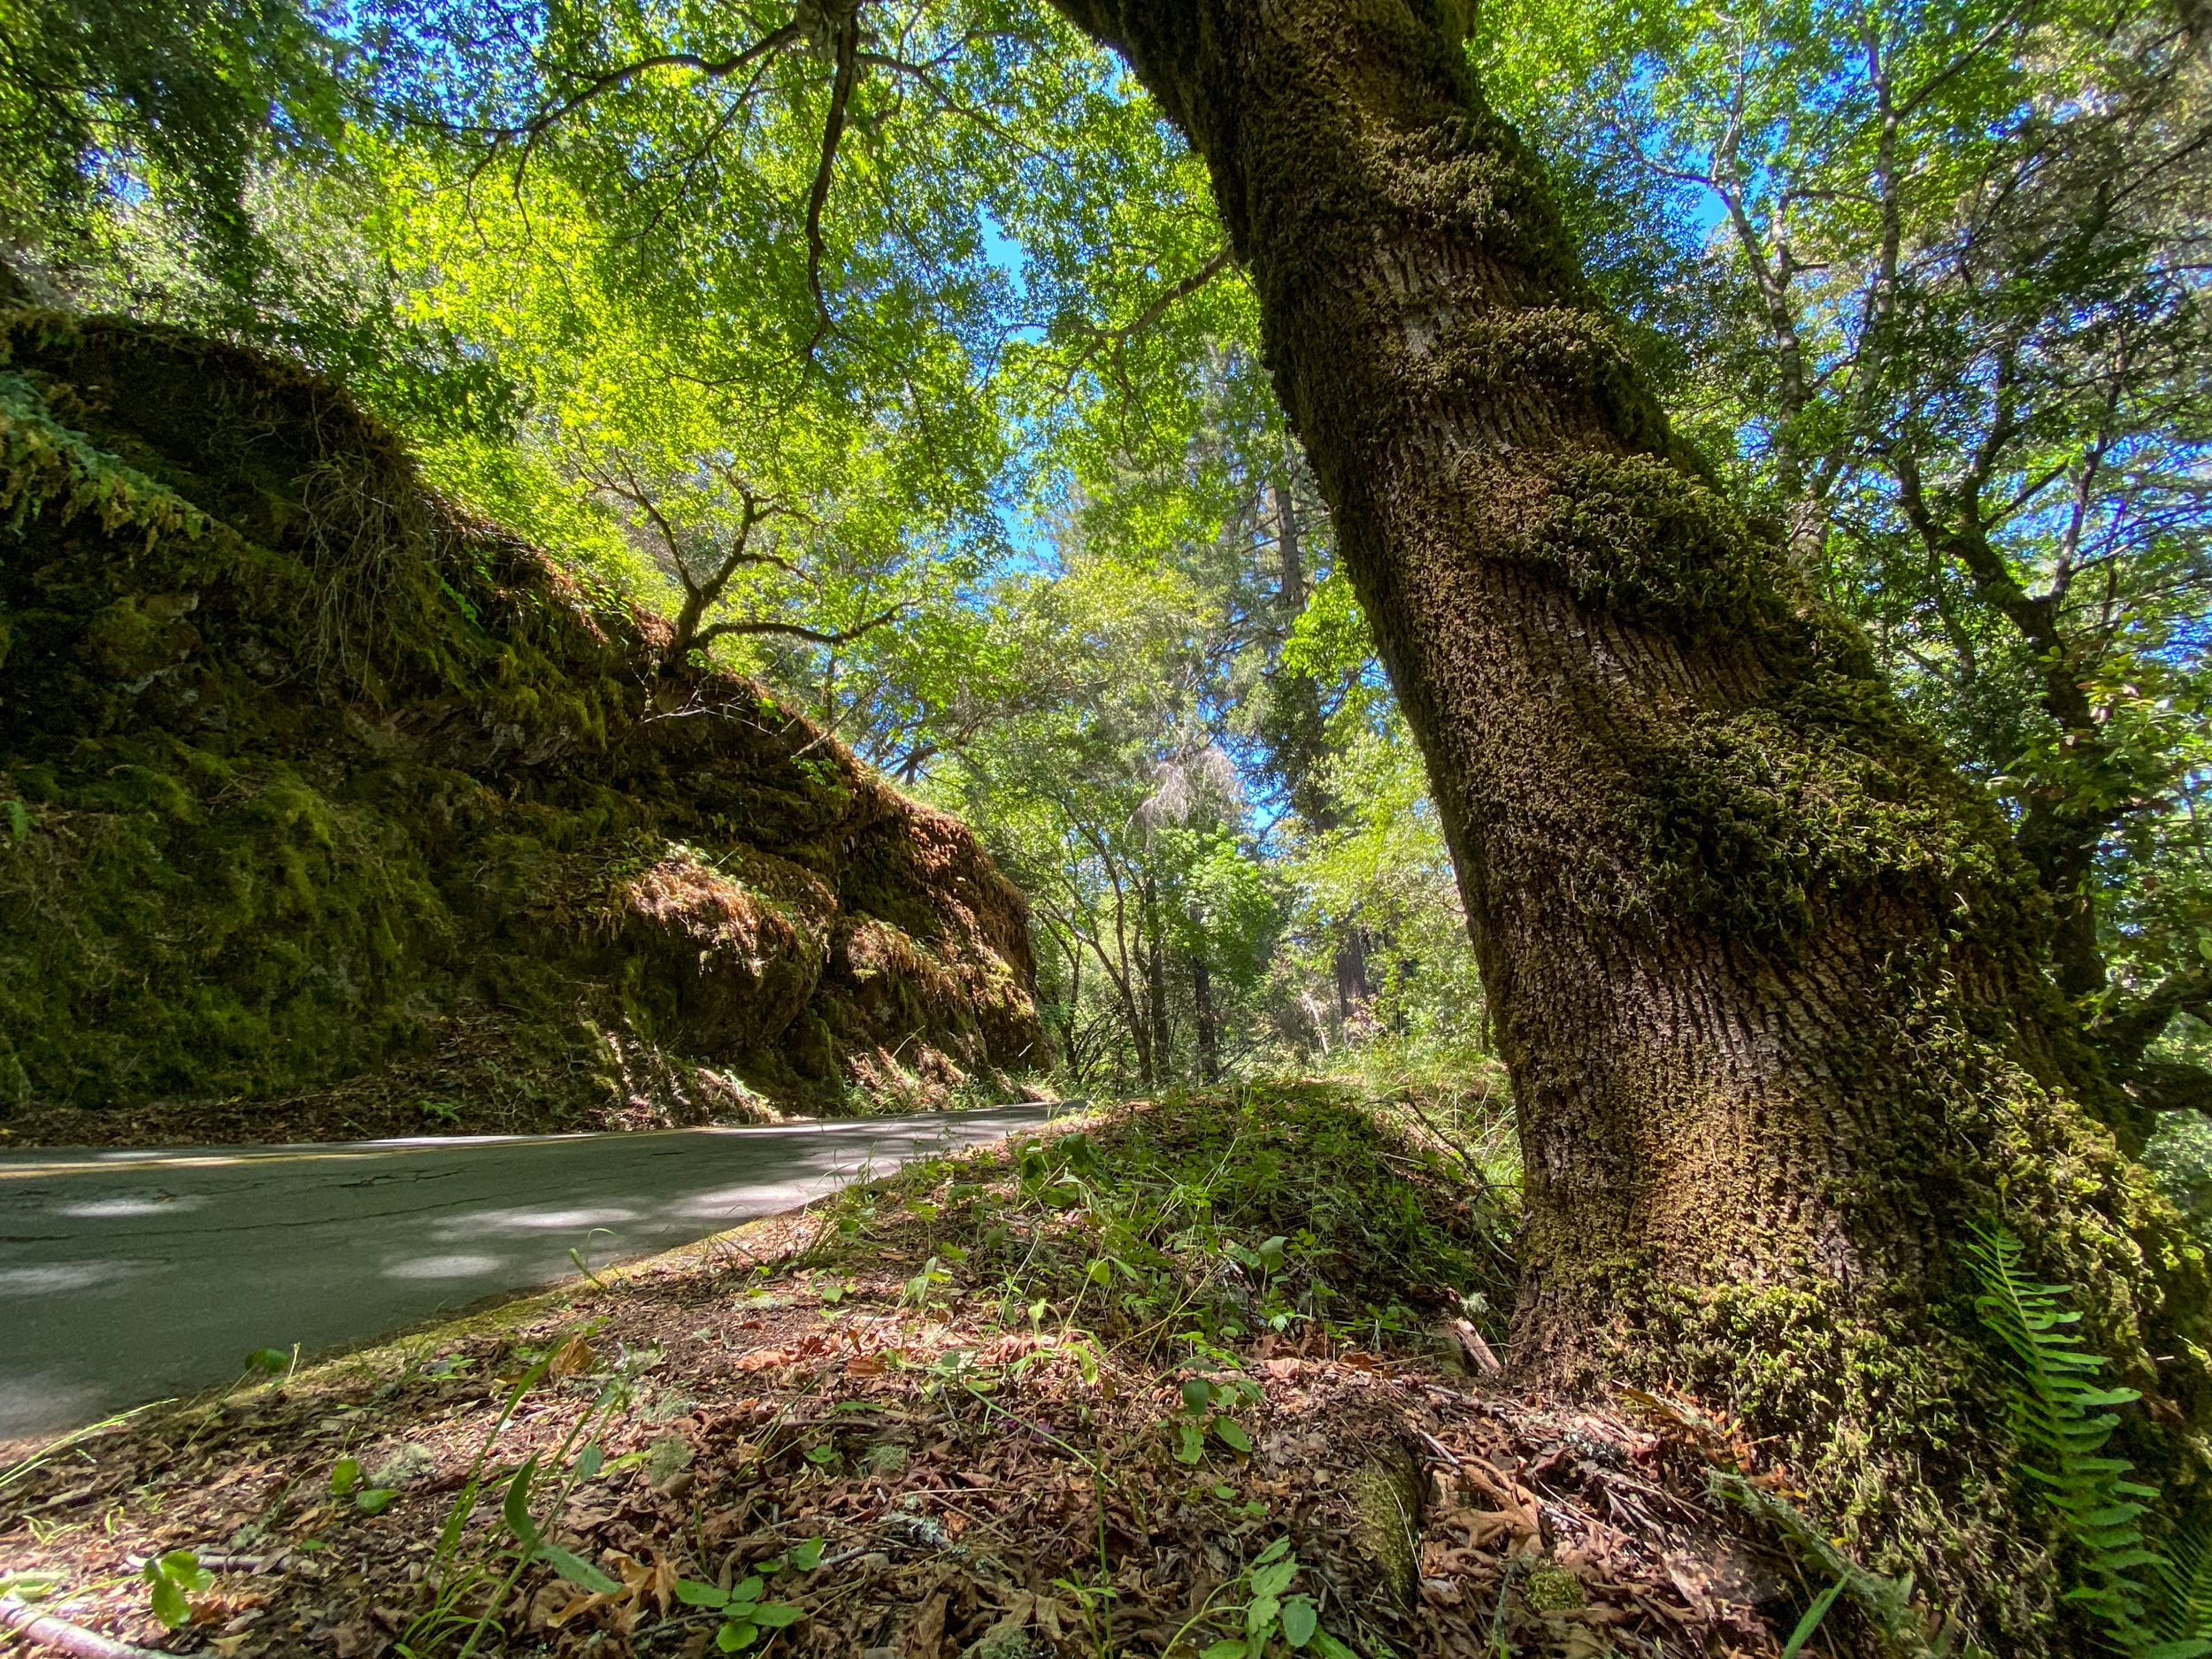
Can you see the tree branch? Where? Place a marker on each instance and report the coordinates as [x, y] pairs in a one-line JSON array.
[[1165, 301], [846, 41], [530, 132], [2124, 1030], [814, 636]]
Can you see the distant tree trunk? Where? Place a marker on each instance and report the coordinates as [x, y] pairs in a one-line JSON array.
[[1765, 970], [1290, 556], [1155, 990], [1297, 732], [1201, 992], [1352, 989], [1294, 726], [1141, 1034]]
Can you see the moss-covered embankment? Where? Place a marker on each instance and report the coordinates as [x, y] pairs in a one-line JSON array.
[[323, 803]]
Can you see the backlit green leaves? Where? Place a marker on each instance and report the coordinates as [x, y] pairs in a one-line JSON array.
[[174, 1579]]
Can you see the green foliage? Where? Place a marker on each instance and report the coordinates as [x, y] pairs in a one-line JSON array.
[[2179, 1153], [104, 103], [1269, 1610], [1209, 1218], [1876, 256], [173, 1579], [2063, 1419], [744, 1613], [227, 883]]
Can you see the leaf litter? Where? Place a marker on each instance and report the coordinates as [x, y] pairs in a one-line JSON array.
[[1205, 1376]]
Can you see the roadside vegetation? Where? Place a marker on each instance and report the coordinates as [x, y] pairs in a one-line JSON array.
[[1207, 1375]]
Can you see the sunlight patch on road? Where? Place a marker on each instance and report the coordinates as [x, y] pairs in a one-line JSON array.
[[53, 1279], [458, 1264], [111, 1209]]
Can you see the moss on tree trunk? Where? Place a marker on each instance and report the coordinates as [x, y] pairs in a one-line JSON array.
[[1765, 971]]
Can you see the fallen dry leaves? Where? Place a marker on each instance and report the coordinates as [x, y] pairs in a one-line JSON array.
[[981, 1492]]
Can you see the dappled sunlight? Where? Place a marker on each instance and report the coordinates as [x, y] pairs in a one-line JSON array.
[[454, 1266], [115, 1209], [531, 1221], [62, 1277]]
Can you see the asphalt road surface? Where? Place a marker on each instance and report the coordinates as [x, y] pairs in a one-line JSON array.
[[131, 1276]]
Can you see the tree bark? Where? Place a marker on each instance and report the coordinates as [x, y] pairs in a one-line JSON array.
[[1765, 971], [1154, 947], [1353, 991], [1202, 991]]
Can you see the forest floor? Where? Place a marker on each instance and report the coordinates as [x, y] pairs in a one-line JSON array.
[[1200, 1378]]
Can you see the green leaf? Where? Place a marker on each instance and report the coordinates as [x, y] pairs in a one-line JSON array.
[[183, 1567], [515, 1509], [691, 1593], [374, 1500], [170, 1606], [736, 1636], [776, 1614], [1226, 1649], [1810, 1623], [1272, 1552], [808, 1555], [1329, 1647], [345, 1475], [1191, 1442], [1198, 1394], [270, 1360], [576, 1569], [1300, 1621], [749, 1588], [1273, 1578], [1231, 1434]]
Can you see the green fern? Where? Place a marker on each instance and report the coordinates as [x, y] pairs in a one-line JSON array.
[[2185, 1586], [2151, 1609]]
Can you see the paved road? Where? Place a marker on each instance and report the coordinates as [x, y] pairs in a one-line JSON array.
[[128, 1276]]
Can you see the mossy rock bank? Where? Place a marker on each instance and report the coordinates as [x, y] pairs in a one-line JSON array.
[[313, 786]]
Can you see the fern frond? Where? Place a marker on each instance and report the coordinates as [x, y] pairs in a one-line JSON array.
[[2063, 1416], [2185, 1585]]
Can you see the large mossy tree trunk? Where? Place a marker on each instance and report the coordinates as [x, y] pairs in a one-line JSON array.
[[1765, 971]]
